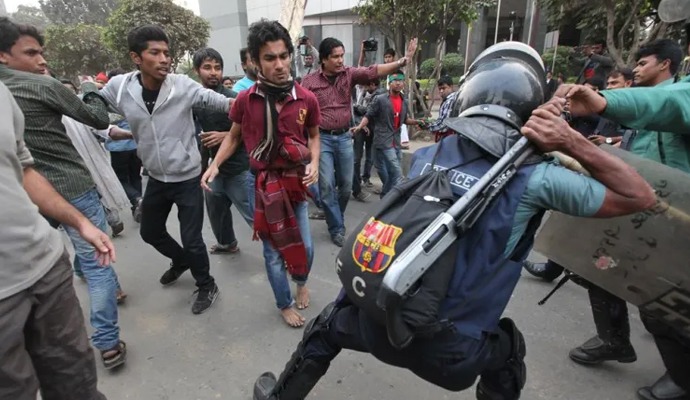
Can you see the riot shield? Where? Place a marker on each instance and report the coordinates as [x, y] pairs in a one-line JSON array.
[[643, 258]]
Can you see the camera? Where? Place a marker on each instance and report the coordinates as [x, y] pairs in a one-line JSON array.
[[371, 44]]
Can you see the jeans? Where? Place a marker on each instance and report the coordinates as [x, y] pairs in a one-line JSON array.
[[226, 192], [316, 195], [189, 199], [336, 167], [43, 342], [275, 266], [101, 281], [127, 167], [388, 167], [362, 142]]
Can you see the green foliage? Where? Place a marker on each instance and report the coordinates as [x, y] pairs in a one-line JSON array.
[[567, 61], [427, 67], [30, 15], [407, 18], [452, 64], [625, 24], [186, 31], [93, 12], [186, 67], [77, 49]]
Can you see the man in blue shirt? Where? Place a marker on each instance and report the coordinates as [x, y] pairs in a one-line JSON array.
[[249, 72]]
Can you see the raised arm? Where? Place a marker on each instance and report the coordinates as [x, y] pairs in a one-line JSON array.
[[387, 69]]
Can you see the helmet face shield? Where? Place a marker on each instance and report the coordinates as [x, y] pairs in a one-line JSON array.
[[508, 74]]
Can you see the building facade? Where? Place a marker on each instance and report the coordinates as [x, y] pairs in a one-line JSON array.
[[519, 19]]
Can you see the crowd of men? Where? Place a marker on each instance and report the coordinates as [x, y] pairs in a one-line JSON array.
[[294, 129]]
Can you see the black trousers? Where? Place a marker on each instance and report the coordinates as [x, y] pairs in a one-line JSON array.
[[189, 199], [673, 347], [363, 145], [127, 167], [449, 359]]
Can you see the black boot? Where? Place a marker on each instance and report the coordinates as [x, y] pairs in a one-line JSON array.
[[546, 271], [663, 389], [507, 382], [300, 374], [612, 342]]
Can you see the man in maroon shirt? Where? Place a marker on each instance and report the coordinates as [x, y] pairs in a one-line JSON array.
[[332, 86], [273, 118]]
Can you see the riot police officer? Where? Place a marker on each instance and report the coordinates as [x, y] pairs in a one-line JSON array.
[[498, 102]]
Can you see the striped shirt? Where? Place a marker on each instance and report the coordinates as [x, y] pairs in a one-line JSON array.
[[44, 101], [335, 94], [443, 113]]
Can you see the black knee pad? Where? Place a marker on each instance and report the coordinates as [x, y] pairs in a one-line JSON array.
[[320, 323], [506, 383]]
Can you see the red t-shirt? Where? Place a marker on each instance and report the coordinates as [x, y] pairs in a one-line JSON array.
[[299, 111], [397, 103]]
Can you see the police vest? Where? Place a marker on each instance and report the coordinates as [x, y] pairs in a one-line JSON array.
[[471, 283], [483, 279]]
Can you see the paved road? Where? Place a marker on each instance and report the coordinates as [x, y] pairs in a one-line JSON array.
[[178, 356]]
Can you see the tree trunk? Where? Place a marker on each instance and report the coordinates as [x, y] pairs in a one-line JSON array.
[[610, 31], [440, 46]]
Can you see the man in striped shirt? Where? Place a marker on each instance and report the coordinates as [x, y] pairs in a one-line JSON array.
[[44, 101], [333, 86], [445, 89]]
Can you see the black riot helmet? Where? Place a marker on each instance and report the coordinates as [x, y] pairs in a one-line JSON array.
[[508, 74]]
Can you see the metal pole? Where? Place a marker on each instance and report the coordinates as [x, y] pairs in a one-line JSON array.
[[531, 23], [555, 54], [498, 17], [467, 47]]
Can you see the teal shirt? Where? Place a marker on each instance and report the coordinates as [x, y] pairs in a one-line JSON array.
[[662, 116], [554, 187], [242, 85]]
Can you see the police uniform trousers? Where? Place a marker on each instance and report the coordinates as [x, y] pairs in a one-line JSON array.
[[673, 347], [448, 359]]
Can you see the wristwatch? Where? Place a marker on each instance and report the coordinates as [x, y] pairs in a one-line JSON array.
[[609, 140]]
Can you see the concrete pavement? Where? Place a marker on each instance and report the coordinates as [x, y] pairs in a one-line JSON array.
[[217, 355]]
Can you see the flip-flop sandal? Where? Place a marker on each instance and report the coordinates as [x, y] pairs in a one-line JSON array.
[[116, 359], [121, 297], [215, 249], [318, 215]]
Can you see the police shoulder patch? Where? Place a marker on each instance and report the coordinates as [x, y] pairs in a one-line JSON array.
[[374, 248]]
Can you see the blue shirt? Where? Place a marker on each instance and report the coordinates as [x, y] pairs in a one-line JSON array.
[[121, 145], [243, 84], [553, 187]]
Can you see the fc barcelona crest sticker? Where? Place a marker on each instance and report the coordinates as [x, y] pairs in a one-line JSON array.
[[302, 116], [374, 247]]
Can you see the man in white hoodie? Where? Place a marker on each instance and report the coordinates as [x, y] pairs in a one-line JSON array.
[[158, 106]]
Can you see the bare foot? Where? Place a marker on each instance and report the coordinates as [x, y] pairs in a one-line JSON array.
[[302, 297], [292, 317]]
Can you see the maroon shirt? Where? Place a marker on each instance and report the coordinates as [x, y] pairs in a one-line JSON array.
[[299, 111], [335, 99]]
